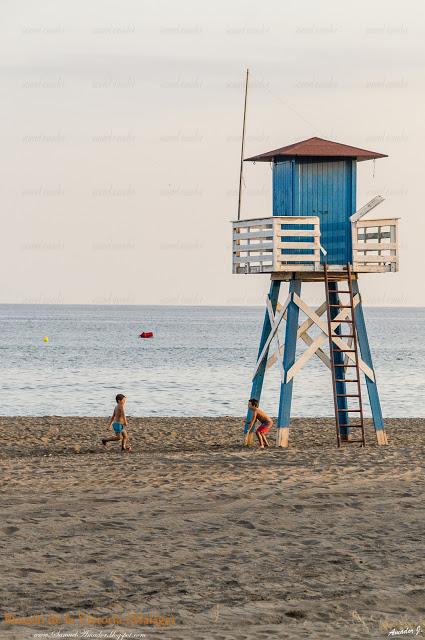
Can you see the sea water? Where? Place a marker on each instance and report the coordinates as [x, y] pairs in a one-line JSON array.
[[200, 361]]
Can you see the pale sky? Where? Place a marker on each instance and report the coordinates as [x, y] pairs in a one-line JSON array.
[[120, 135]]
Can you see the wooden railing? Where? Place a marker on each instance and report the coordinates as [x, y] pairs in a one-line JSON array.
[[375, 245], [275, 244], [292, 243]]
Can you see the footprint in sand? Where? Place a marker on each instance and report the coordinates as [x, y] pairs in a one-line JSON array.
[[108, 583], [246, 523], [26, 570], [295, 613], [10, 530]]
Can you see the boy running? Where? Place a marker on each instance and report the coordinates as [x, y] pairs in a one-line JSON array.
[[118, 423]]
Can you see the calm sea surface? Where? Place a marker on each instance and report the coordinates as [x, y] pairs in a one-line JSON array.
[[200, 361]]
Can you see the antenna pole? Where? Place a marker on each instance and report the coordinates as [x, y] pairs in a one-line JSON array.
[[242, 146]]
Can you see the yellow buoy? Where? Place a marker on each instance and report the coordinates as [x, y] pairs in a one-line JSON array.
[[45, 339]]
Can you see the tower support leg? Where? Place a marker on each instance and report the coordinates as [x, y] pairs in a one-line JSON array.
[[257, 382], [338, 359], [372, 389], [289, 353]]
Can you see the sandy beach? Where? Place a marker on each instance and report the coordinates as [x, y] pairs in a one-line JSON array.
[[219, 540]]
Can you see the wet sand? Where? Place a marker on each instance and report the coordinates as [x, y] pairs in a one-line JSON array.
[[234, 543]]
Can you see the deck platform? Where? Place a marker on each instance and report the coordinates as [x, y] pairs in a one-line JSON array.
[[288, 245]]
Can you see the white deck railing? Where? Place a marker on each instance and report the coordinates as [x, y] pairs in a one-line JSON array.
[[375, 245], [273, 245], [266, 245]]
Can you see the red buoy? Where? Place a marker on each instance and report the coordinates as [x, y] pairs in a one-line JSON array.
[[146, 334]]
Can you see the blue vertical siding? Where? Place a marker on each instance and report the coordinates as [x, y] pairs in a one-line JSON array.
[[322, 187], [282, 188]]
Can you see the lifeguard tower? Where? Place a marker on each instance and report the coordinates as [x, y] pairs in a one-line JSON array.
[[316, 234]]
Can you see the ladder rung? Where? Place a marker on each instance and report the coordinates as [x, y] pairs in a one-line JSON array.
[[348, 395], [341, 306], [344, 291], [352, 426], [344, 350], [344, 380], [344, 335], [355, 426], [339, 321], [349, 410], [351, 366]]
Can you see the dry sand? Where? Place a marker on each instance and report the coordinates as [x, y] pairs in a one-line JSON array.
[[308, 542]]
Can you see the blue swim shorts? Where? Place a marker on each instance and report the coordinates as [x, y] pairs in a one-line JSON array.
[[117, 427]]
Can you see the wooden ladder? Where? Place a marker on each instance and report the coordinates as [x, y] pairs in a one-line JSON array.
[[338, 370]]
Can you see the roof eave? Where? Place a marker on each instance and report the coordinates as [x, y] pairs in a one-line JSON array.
[[271, 158]]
